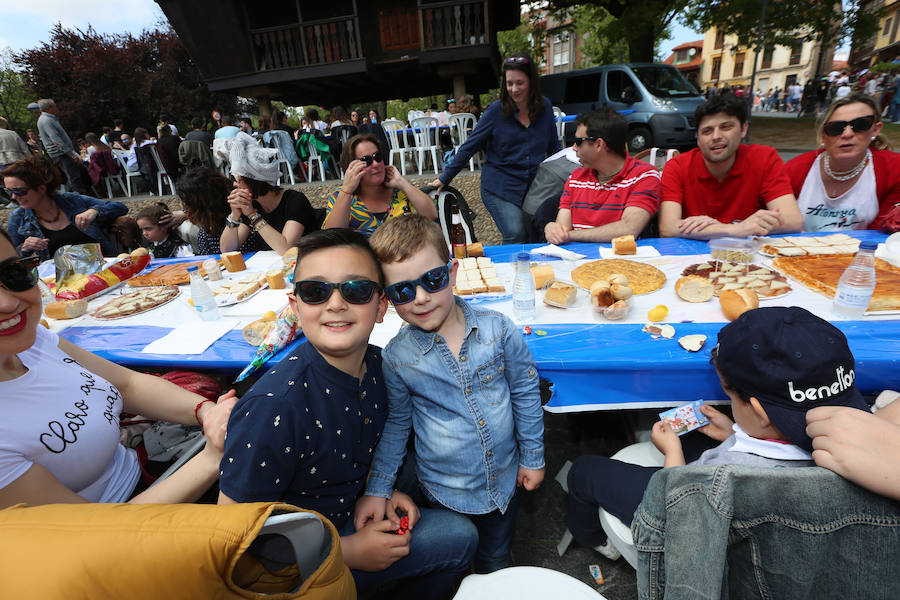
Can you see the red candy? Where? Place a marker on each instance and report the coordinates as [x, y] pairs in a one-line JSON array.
[[527, 330], [404, 525]]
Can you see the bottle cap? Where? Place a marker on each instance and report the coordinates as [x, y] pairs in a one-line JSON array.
[[868, 245], [523, 256], [192, 268]]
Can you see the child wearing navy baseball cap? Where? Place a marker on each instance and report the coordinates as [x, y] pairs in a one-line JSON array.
[[775, 364]]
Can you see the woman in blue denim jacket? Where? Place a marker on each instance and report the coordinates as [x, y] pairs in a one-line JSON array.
[[517, 133], [46, 219], [464, 380]]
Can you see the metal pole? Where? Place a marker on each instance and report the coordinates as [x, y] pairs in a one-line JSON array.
[[759, 31]]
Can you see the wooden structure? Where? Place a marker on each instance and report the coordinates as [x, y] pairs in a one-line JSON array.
[[343, 51]]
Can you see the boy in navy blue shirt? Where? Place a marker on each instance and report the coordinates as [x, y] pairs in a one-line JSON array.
[[306, 432]]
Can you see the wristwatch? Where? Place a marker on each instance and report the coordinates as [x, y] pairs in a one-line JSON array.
[[231, 223]]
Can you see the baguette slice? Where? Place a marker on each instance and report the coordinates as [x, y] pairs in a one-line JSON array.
[[234, 261]]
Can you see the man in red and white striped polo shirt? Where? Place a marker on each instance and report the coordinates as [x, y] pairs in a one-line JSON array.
[[612, 194]]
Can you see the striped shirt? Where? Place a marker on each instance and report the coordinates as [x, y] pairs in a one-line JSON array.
[[593, 203]]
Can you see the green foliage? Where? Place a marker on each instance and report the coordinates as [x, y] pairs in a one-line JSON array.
[[884, 67], [15, 95], [600, 34]]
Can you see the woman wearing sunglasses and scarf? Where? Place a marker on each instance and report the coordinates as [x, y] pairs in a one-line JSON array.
[[48, 219], [59, 436], [853, 182], [517, 133], [372, 192]]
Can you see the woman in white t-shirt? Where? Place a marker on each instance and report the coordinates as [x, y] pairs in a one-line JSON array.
[[59, 435], [854, 180]]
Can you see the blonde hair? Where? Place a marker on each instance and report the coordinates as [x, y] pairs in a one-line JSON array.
[[879, 142], [399, 238]]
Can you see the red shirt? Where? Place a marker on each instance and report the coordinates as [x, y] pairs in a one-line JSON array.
[[756, 178], [593, 204]]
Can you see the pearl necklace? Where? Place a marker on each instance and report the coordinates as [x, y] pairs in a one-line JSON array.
[[845, 175]]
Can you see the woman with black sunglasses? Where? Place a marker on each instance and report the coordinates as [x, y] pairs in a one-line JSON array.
[[517, 133], [372, 192], [59, 436], [853, 181], [48, 219]]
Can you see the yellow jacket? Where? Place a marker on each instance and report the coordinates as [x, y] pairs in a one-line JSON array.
[[144, 551]]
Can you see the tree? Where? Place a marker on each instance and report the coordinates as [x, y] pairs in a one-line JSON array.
[[14, 95], [95, 78]]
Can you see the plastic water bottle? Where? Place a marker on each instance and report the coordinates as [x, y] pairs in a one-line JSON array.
[[856, 284], [523, 289], [202, 296]]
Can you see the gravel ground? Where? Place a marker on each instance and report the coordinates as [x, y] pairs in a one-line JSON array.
[[466, 182]]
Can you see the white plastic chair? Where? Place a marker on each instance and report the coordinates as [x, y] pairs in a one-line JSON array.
[[558, 114], [117, 178], [284, 165], [426, 132], [524, 583], [161, 174], [658, 157], [315, 157], [393, 127], [465, 122], [123, 168], [414, 114]]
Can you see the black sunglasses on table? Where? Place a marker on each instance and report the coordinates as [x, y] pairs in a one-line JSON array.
[[370, 158], [355, 291], [859, 124], [19, 274], [433, 280]]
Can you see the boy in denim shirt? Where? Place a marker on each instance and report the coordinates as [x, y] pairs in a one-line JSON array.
[[774, 364], [466, 383]]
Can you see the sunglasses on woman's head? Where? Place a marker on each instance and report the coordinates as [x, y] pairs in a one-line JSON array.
[[519, 60], [19, 274], [16, 191], [355, 291], [859, 124], [370, 158], [433, 280]]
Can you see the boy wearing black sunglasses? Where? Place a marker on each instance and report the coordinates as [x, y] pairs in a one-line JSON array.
[[305, 433], [463, 379]]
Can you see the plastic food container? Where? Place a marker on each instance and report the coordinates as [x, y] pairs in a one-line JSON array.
[[617, 311], [735, 250]]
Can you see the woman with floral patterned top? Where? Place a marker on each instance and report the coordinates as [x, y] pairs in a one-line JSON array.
[[372, 192]]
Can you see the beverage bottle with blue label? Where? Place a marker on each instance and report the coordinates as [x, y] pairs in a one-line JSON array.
[[523, 289], [857, 284]]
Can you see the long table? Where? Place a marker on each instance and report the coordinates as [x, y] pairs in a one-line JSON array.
[[594, 364]]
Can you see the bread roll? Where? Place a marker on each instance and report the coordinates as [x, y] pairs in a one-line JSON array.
[[624, 245], [620, 291], [560, 294], [601, 294], [123, 255], [66, 309], [542, 274], [275, 278], [139, 252], [255, 333], [734, 303], [290, 256], [233, 261], [617, 278], [694, 288]]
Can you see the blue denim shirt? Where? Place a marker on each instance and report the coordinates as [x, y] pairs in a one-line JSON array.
[[476, 419], [23, 222], [704, 533], [513, 152]]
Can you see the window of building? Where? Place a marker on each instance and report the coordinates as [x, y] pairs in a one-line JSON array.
[[739, 64], [583, 88], [796, 52], [720, 39], [716, 66], [887, 25], [681, 56], [560, 51], [767, 57]]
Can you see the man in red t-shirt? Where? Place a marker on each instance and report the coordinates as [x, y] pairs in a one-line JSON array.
[[613, 194], [723, 187]]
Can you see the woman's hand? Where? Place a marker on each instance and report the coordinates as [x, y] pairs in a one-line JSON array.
[[171, 220], [438, 184], [241, 203], [83, 220], [392, 177], [34, 243], [353, 175]]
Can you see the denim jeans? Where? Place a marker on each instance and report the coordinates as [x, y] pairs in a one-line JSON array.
[[506, 215], [442, 546], [728, 531]]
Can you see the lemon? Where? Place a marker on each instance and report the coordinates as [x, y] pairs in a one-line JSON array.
[[191, 301], [658, 313], [269, 316]]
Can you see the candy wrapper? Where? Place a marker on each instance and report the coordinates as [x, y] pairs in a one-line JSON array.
[[685, 418], [284, 331]]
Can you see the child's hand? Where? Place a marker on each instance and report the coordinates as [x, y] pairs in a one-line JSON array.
[[402, 502], [720, 426], [664, 438], [369, 508], [374, 547], [530, 479]]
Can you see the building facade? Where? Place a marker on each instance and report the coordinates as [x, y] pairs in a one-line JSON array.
[[728, 63], [688, 58]]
